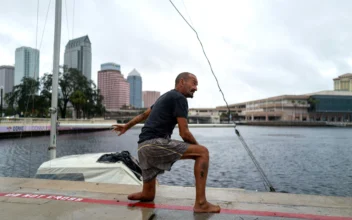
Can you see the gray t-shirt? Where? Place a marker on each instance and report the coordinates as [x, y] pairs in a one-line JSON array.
[[163, 116]]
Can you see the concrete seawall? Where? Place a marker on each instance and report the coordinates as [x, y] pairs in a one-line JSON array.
[[39, 127], [54, 199]]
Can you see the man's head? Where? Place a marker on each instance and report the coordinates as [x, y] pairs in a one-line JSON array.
[[186, 83]]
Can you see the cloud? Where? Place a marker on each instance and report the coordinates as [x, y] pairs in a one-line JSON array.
[[257, 49]]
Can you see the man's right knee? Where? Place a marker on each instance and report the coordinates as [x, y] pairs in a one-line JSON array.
[[196, 151], [204, 151]]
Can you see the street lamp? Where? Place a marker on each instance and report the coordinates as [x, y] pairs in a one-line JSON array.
[[87, 109], [1, 88]]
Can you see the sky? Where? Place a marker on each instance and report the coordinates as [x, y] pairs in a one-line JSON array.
[[257, 49]]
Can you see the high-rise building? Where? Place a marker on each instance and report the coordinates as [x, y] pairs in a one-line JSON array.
[[110, 66], [115, 89], [7, 78], [26, 63], [343, 82], [78, 55], [135, 81], [149, 98]]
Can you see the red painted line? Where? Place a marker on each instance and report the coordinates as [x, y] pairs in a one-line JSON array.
[[170, 207]]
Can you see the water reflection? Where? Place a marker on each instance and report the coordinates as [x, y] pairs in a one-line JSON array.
[[296, 160]]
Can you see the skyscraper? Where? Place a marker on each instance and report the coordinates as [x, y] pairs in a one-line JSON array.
[[114, 87], [78, 55], [26, 63], [110, 66], [149, 98], [7, 78], [135, 81]]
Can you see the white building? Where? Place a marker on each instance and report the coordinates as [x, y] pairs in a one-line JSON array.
[[204, 115], [26, 63]]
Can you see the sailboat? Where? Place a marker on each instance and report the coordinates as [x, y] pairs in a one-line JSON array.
[[112, 167]]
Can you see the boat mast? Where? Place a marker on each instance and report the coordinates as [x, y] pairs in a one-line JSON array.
[[56, 62]]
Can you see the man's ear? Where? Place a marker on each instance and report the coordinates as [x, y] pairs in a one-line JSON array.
[[182, 81]]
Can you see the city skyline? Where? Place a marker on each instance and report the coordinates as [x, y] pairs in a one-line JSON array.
[[267, 51]]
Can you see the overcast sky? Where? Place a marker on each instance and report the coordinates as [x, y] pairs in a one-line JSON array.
[[258, 49]]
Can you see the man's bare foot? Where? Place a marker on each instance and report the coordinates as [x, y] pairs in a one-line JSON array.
[[141, 197], [206, 207]]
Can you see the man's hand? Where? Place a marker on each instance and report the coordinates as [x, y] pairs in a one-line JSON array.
[[184, 132], [119, 128]]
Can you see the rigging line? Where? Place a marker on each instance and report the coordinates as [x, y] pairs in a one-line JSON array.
[[73, 16], [201, 44], [266, 180], [46, 18], [190, 19], [68, 33], [36, 32], [40, 45], [36, 47], [236, 131]]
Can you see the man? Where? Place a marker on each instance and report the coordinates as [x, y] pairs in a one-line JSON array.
[[157, 152]]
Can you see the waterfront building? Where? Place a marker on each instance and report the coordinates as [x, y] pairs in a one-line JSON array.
[[135, 80], [7, 78], [78, 55], [149, 98], [343, 82], [26, 64], [114, 88]]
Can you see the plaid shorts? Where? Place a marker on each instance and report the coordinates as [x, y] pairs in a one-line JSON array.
[[159, 154]]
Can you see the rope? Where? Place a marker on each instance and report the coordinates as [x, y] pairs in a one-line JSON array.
[[266, 181], [68, 32]]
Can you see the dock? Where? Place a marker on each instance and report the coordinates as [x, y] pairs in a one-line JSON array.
[[24, 198], [28, 128]]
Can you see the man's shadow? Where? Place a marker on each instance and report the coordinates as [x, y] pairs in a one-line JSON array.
[[149, 212]]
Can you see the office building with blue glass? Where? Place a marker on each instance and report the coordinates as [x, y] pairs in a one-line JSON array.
[[135, 80]]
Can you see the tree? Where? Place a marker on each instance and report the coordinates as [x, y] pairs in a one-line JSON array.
[[96, 108], [78, 99], [74, 86], [225, 116], [312, 104], [24, 99]]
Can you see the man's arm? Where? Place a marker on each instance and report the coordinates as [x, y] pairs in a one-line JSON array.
[[138, 119], [123, 128], [184, 131]]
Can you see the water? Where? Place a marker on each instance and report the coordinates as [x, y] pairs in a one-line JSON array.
[[300, 160]]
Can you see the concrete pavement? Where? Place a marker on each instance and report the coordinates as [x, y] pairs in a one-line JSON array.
[[52, 199]]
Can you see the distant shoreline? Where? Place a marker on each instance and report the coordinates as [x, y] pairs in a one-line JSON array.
[[20, 128], [296, 123]]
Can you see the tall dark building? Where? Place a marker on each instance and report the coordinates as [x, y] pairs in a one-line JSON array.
[[78, 55]]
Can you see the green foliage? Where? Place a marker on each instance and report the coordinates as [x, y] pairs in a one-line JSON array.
[[312, 103], [73, 89], [24, 99]]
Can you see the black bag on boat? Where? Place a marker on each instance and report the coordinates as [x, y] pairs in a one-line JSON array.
[[124, 157]]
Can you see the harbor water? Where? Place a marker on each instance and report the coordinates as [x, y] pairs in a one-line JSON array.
[[301, 160]]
